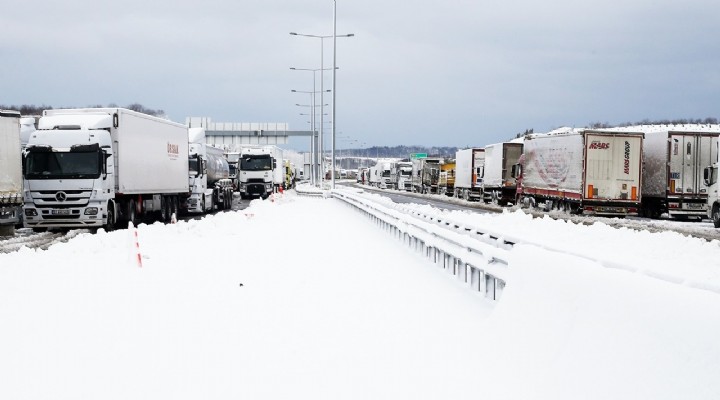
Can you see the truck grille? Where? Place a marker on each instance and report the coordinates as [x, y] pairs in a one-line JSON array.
[[61, 198]]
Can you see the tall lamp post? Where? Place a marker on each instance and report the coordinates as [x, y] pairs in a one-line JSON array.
[[322, 60], [312, 94], [322, 104]]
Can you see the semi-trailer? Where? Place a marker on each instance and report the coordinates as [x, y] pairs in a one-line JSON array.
[[582, 171], [98, 167], [469, 170], [675, 158], [210, 186], [11, 193], [499, 185]]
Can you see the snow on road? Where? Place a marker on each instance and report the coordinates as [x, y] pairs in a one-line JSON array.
[[305, 298]]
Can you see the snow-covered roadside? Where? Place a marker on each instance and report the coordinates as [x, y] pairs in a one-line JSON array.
[[304, 298]]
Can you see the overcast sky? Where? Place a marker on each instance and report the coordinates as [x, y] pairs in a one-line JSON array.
[[442, 73]]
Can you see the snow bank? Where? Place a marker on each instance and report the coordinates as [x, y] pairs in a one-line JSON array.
[[305, 298]]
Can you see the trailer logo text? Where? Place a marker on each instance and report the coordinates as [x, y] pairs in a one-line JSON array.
[[173, 150], [599, 146], [627, 158]]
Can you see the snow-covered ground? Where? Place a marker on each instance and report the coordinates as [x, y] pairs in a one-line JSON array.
[[305, 298]]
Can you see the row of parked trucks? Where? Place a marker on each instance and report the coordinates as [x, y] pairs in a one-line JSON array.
[[103, 167], [643, 170]]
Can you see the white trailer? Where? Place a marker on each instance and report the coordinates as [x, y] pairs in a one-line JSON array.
[[499, 184], [673, 175], [94, 167], [208, 176], [11, 183], [583, 171], [469, 172]]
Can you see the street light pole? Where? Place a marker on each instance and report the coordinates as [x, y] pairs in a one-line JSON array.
[[334, 89], [322, 60]]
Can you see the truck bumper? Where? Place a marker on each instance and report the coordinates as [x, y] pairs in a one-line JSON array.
[[91, 216]]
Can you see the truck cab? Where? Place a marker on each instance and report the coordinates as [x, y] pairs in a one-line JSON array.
[[255, 173], [710, 175]]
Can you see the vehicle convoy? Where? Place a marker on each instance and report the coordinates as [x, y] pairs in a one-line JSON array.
[[97, 167], [499, 185], [582, 171], [209, 176], [469, 170], [11, 183], [260, 171], [675, 159]]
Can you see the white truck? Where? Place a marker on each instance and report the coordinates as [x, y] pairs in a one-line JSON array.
[[98, 167], [260, 171], [11, 193], [675, 159], [375, 174], [582, 171], [404, 176], [469, 172], [499, 185], [208, 175]]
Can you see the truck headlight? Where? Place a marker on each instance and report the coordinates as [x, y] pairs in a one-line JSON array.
[[91, 211], [31, 212]]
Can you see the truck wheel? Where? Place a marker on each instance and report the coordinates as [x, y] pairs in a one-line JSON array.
[[229, 197], [164, 214], [202, 205], [716, 216], [110, 224], [132, 213]]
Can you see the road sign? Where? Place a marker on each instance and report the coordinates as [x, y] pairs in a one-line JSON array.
[[418, 155]]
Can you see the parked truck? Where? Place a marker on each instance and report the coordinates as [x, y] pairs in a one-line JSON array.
[[431, 175], [260, 171], [675, 159], [97, 167], [446, 184], [11, 193], [209, 176], [582, 171], [404, 175], [469, 171], [499, 185]]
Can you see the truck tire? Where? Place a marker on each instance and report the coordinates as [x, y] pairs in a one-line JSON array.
[[716, 215], [164, 212], [132, 214], [110, 224]]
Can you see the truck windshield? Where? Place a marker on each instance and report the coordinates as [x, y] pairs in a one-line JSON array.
[[386, 173], [405, 172], [256, 163], [57, 165]]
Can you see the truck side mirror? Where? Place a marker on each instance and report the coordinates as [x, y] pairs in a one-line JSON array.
[[516, 171]]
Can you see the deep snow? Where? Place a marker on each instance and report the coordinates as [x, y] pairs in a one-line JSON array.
[[305, 298]]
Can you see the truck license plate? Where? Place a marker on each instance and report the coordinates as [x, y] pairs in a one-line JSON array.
[[60, 212]]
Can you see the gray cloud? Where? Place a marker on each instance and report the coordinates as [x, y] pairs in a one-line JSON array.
[[427, 72]]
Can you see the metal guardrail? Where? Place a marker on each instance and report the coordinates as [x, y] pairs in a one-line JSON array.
[[475, 255], [480, 260]]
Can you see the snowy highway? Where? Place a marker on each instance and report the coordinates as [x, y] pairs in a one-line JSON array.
[[307, 298]]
